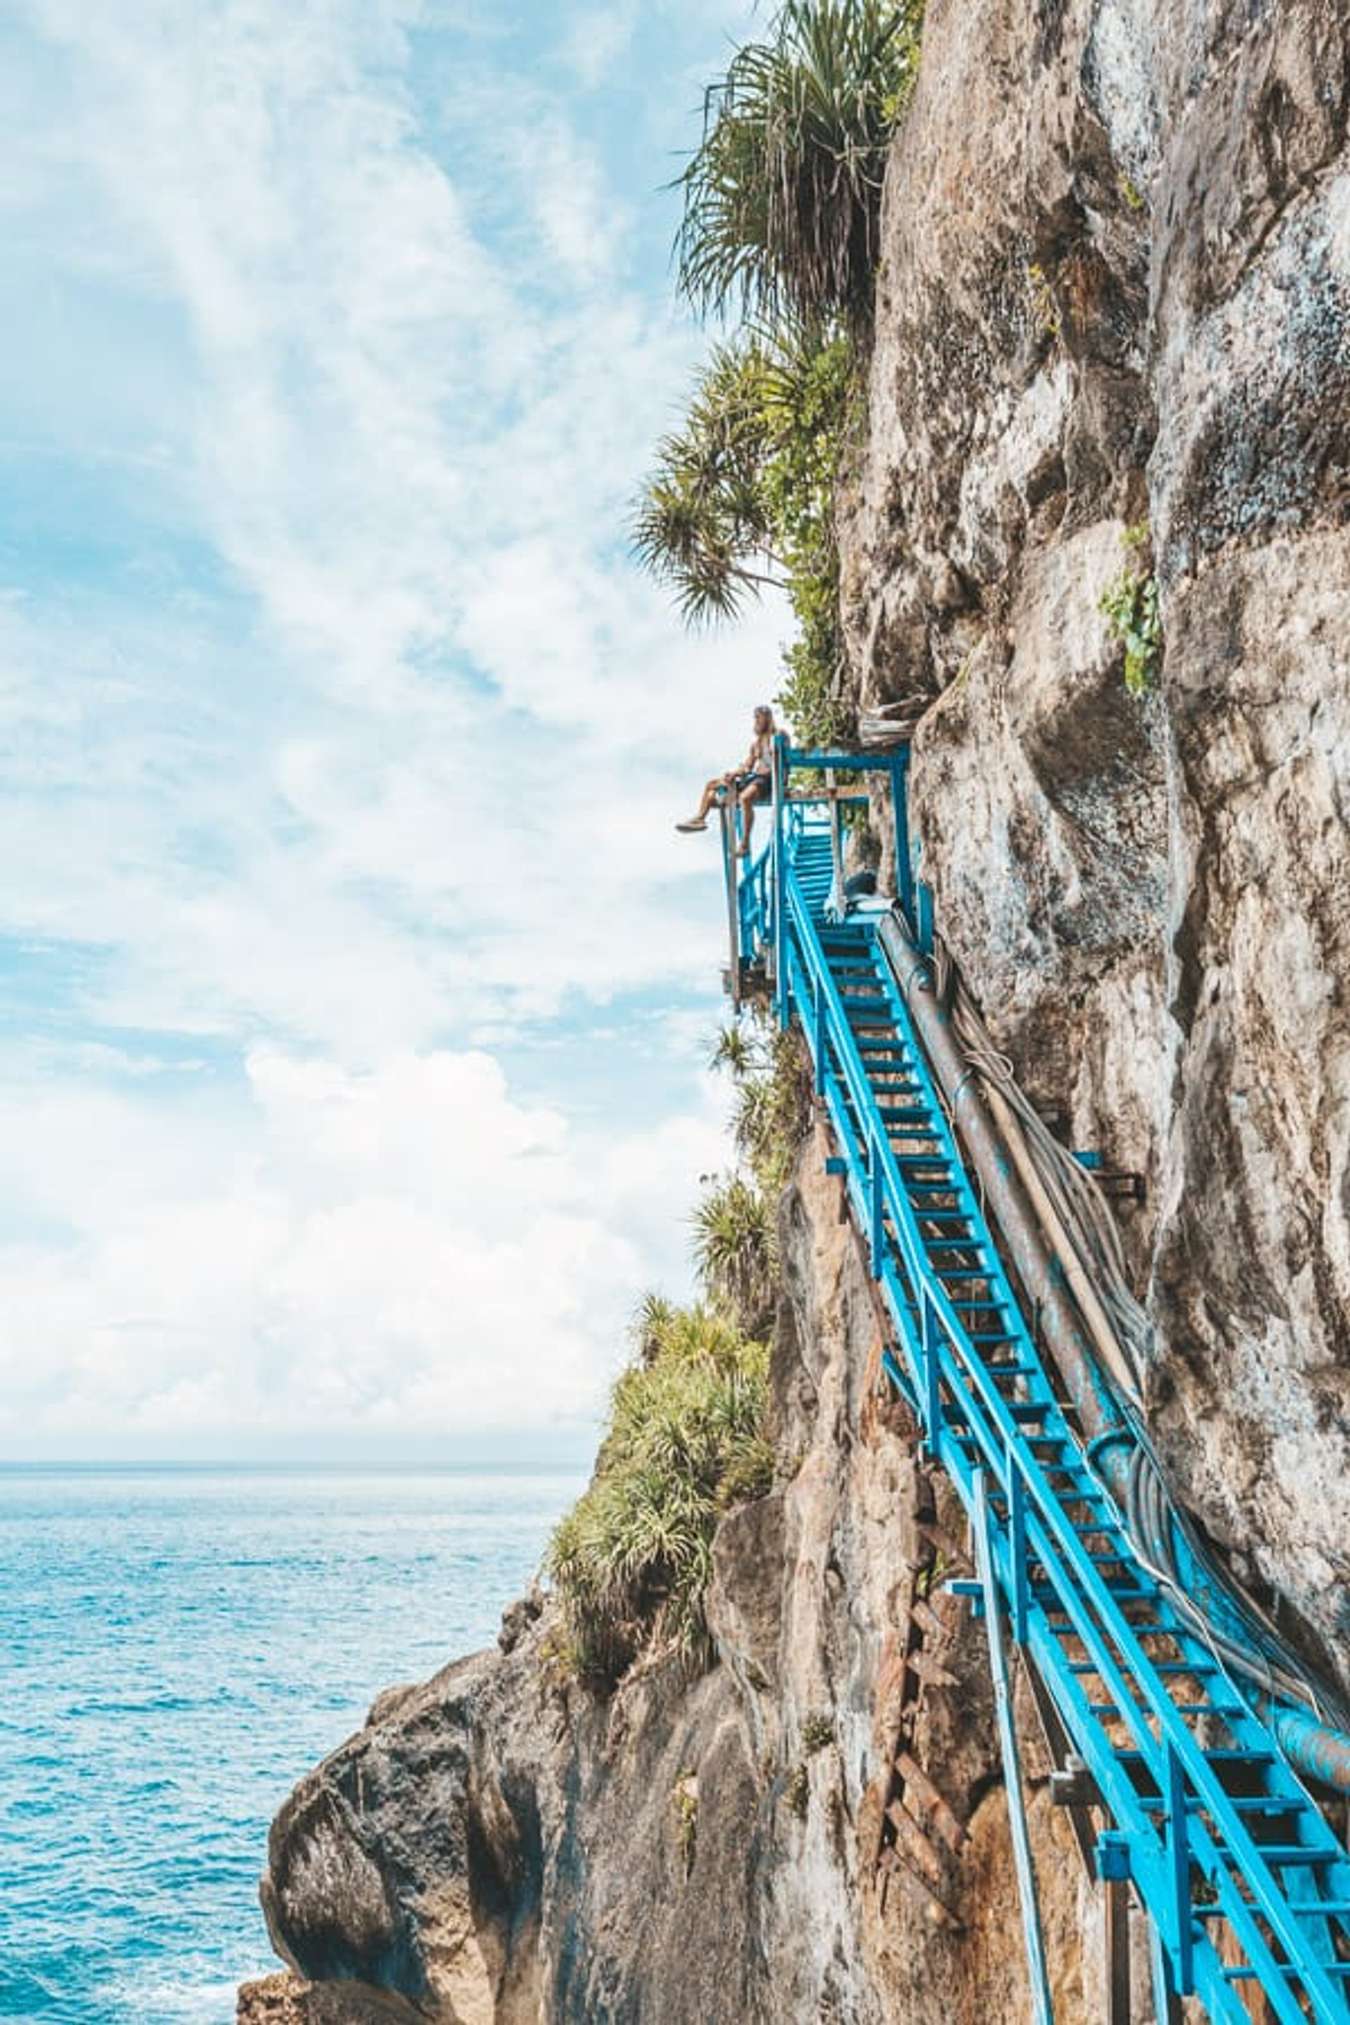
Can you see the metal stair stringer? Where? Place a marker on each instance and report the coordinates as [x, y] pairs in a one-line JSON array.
[[1231, 1856]]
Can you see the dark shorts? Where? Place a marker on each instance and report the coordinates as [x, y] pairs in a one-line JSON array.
[[761, 782]]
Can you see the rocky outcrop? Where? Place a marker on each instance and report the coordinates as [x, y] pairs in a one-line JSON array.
[[499, 1845], [1115, 288]]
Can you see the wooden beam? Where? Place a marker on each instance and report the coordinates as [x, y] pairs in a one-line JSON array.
[[1117, 1951]]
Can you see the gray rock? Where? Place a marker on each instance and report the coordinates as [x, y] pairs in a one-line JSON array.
[[1118, 284]]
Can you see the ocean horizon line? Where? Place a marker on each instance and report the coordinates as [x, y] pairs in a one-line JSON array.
[[527, 1465]]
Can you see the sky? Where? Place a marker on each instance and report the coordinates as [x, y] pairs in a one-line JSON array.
[[355, 993]]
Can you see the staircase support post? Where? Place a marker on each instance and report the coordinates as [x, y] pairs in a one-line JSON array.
[[1012, 1764]]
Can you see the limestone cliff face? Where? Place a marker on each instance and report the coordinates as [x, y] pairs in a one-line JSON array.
[[1115, 287]]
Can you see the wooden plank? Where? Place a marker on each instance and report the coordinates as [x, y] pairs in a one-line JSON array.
[[1117, 1951], [893, 1693], [1057, 1743], [925, 1615], [931, 1671], [888, 725], [896, 1860], [911, 1837], [945, 1819]]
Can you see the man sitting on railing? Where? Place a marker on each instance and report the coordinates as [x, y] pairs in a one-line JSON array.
[[751, 784]]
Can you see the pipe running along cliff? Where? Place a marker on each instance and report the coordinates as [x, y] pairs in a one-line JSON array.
[[1116, 1442]]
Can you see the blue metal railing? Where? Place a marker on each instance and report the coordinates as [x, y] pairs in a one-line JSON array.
[[1231, 1907]]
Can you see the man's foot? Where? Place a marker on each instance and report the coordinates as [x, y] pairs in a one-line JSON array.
[[742, 851], [692, 825]]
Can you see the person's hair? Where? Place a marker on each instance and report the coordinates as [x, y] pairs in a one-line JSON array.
[[763, 710]]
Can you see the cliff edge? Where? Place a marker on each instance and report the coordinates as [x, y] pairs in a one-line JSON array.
[[1111, 376]]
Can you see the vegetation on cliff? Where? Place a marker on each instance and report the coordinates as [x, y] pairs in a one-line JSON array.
[[782, 205], [684, 1443], [742, 496], [735, 1243], [782, 202], [685, 1439], [782, 196], [1130, 603]]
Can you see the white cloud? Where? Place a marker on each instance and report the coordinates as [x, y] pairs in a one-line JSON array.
[[367, 740], [331, 1252], [595, 40]]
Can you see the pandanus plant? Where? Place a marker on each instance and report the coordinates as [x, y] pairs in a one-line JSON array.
[[782, 196], [735, 1250], [684, 1443], [739, 497]]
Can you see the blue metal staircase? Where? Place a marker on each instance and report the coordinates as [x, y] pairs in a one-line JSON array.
[[1246, 1887]]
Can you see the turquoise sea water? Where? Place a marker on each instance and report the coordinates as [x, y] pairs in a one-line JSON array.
[[176, 1648]]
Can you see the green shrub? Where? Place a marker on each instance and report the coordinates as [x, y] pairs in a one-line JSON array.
[[684, 1443], [735, 1235], [773, 1104], [652, 1323], [684, 1803], [1043, 304], [797, 1791], [782, 197], [817, 1732], [1130, 603], [742, 496]]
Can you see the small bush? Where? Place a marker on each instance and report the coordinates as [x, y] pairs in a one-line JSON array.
[[684, 1443], [1043, 305], [797, 1791], [735, 1236], [736, 1250], [817, 1732], [1130, 603], [773, 1106], [652, 1323], [773, 1094], [684, 1803]]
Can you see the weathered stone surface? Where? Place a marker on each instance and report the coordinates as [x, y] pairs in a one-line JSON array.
[[1118, 285], [289, 2000], [1251, 1274]]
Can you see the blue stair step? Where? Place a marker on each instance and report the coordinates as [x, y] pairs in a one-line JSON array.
[[1243, 1974], [1241, 1803], [1217, 1755]]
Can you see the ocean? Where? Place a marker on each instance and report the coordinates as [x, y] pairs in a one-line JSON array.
[[176, 1647]]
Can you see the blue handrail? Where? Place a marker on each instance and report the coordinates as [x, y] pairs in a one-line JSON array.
[[1192, 1853]]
